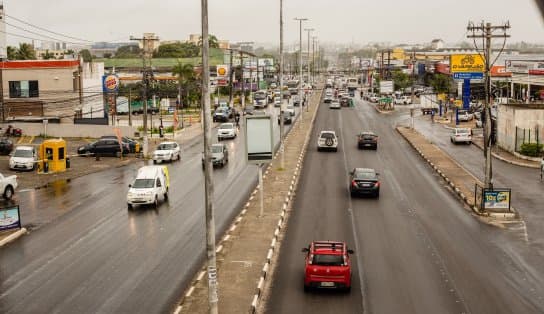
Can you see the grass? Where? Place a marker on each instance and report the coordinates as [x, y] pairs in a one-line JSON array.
[[216, 57]]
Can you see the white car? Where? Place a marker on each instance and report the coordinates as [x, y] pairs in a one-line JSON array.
[[327, 140], [403, 100], [277, 101], [151, 183], [166, 151], [290, 109], [226, 130], [335, 104], [23, 158], [7, 186], [465, 116], [461, 135]]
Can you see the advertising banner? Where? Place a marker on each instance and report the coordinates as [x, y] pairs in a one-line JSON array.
[[259, 139], [496, 199], [10, 218], [110, 83], [471, 63], [386, 87], [524, 66]]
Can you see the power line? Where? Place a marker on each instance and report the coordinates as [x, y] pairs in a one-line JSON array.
[[35, 33], [46, 30]]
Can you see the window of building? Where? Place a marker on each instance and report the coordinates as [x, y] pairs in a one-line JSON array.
[[23, 89]]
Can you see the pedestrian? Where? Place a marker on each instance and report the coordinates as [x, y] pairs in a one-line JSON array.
[[237, 119], [432, 115], [541, 168]]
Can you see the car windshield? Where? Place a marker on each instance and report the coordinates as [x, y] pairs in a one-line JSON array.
[[368, 136], [226, 126], [327, 135], [328, 260], [143, 183], [166, 146], [217, 149], [22, 153], [364, 175]]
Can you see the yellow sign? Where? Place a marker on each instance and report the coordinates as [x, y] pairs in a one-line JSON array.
[[222, 70], [473, 63]]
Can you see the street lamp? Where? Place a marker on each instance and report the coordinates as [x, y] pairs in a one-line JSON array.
[[300, 62], [309, 30]]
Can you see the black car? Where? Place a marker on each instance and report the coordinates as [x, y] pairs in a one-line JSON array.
[[221, 115], [6, 146], [287, 118], [367, 139], [133, 145], [364, 181], [105, 146]]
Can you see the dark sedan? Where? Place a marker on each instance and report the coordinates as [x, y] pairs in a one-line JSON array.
[[6, 146], [133, 145], [287, 118], [364, 181], [106, 146], [367, 139]]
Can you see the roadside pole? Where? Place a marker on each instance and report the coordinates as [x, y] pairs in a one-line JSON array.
[[129, 108], [261, 189], [208, 182], [300, 65], [282, 123], [413, 91]]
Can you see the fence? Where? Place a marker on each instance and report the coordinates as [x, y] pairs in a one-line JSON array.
[[524, 136]]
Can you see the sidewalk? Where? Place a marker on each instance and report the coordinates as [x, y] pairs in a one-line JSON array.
[[249, 243], [506, 156], [461, 182]]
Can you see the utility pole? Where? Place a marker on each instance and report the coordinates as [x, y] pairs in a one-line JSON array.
[[147, 42], [282, 123], [314, 42], [412, 98], [309, 30], [231, 72], [300, 20], [208, 167], [488, 32], [243, 99]]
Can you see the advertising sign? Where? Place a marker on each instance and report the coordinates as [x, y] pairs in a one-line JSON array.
[[222, 70], [524, 66], [496, 199], [10, 218], [468, 76], [386, 87], [110, 83], [259, 139], [222, 82], [472, 63], [366, 63], [266, 62]]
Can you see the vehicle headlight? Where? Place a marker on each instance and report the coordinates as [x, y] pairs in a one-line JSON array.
[[130, 194]]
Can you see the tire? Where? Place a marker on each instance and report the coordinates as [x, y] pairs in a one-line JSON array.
[[318, 148], [8, 192], [222, 163], [347, 289], [352, 194], [129, 206], [179, 156], [154, 162], [306, 288], [336, 149], [469, 142], [156, 202], [375, 147], [166, 196], [377, 195]]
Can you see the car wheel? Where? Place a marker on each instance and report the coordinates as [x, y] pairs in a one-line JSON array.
[[166, 195], [307, 288], [336, 149], [352, 194], [469, 142], [8, 193], [347, 289], [156, 202], [377, 195], [222, 163], [154, 162], [318, 149], [129, 206], [179, 156]]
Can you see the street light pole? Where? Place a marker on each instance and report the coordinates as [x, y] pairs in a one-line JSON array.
[[309, 30], [208, 182], [282, 122], [300, 63]]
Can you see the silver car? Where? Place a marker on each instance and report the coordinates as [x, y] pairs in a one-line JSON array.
[[327, 140]]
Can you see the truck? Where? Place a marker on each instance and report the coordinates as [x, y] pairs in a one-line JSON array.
[[428, 103], [136, 106], [352, 83], [8, 185]]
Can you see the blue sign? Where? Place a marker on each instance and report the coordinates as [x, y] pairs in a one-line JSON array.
[[110, 83], [468, 76], [466, 94], [10, 218], [171, 109]]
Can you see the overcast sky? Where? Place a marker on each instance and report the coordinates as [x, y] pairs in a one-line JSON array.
[[396, 21]]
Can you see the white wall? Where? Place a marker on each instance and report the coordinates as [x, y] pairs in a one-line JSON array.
[[524, 118]]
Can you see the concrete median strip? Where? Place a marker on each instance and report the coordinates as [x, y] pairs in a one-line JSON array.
[[460, 181], [12, 237], [245, 261]]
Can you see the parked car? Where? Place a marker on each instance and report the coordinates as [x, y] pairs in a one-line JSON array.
[[364, 181], [167, 151], [133, 145], [367, 139], [220, 155], [23, 158], [8, 185], [106, 146], [221, 115], [461, 135], [151, 183], [465, 115], [327, 265], [327, 140], [6, 146], [287, 118], [226, 130]]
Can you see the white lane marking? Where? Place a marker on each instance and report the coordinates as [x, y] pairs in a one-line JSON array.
[[188, 294], [178, 309], [202, 273]]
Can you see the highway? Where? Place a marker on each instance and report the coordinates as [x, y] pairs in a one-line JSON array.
[[95, 256], [417, 250]]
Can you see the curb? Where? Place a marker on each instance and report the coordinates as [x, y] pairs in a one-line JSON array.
[[381, 111], [12, 237], [282, 221], [456, 190], [515, 163]]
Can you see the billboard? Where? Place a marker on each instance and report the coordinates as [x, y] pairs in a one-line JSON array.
[[386, 87], [10, 218], [467, 63], [110, 83], [496, 199], [266, 62], [222, 70], [524, 66], [259, 139]]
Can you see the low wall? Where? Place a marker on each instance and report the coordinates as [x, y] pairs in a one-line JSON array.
[[71, 130]]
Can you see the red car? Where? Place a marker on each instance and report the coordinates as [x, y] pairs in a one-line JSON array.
[[327, 265]]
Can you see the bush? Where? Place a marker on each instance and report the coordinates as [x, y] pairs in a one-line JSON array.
[[531, 149]]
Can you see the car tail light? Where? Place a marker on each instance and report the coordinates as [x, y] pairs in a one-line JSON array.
[[354, 183], [377, 184]]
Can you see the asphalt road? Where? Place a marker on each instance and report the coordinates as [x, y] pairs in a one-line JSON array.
[[97, 257], [417, 249]]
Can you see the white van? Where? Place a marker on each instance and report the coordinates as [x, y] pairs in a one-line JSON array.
[[151, 183]]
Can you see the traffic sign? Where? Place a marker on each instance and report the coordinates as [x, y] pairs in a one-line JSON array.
[[468, 76]]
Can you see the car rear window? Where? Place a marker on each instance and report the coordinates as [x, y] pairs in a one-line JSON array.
[[217, 149], [368, 136], [328, 260], [327, 135], [365, 175]]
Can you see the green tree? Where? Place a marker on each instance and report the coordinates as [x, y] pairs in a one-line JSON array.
[[48, 55], [128, 52], [441, 83], [401, 80], [107, 55], [187, 81], [177, 50], [25, 52], [86, 55], [212, 41], [12, 53]]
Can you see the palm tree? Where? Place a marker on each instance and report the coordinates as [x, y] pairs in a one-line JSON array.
[[213, 42], [12, 53], [25, 52], [186, 75]]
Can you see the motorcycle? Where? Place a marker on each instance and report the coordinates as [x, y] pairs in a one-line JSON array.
[[11, 131]]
